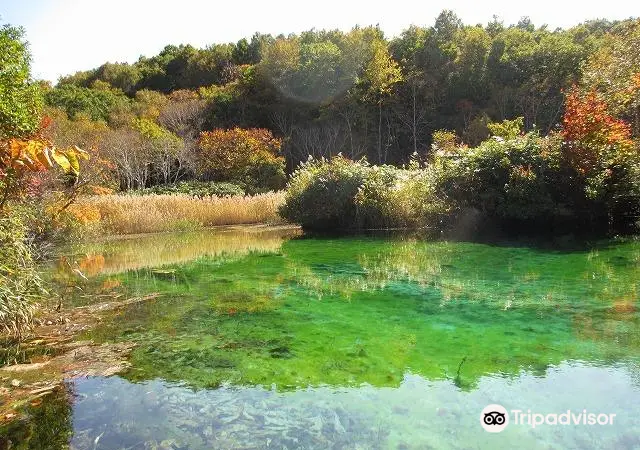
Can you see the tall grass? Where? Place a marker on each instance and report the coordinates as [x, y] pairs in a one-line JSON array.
[[131, 214], [20, 285]]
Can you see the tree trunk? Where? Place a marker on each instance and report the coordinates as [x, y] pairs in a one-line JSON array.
[[380, 131], [415, 143]]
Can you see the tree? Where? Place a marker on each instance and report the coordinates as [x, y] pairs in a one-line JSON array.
[[20, 99], [22, 151], [595, 140], [446, 26], [131, 156], [381, 74], [121, 76], [366, 94], [280, 64], [98, 102], [185, 118], [166, 150], [148, 104], [250, 156], [614, 71], [598, 147]]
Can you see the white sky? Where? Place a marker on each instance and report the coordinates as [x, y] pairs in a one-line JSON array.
[[70, 35]]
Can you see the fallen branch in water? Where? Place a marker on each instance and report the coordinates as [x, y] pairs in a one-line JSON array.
[[108, 306]]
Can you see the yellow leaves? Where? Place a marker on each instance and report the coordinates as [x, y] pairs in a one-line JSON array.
[[85, 214], [382, 71], [37, 155], [74, 162], [636, 80], [99, 190], [44, 159], [61, 159], [69, 159], [231, 151]]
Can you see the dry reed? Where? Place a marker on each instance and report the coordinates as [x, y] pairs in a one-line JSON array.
[[132, 214]]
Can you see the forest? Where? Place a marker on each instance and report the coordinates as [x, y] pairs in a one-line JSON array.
[[357, 93]]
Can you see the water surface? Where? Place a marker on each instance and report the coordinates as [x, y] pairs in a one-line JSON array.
[[265, 339]]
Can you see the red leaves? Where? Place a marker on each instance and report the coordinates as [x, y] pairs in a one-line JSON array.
[[590, 131]]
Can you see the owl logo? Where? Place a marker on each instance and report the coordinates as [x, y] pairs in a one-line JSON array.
[[494, 418]]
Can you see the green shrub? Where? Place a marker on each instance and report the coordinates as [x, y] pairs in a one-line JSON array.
[[20, 285], [321, 194], [263, 174], [344, 194], [526, 180], [397, 198], [507, 129], [518, 181], [516, 178], [195, 188]]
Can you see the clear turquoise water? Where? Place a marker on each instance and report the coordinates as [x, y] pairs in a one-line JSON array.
[[262, 339]]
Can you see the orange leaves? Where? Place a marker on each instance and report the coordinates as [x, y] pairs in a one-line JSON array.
[[226, 153], [19, 155], [591, 133], [37, 155]]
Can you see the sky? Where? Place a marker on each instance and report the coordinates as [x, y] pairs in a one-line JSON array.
[[70, 35]]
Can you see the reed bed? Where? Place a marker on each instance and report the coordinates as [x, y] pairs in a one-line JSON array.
[[132, 214]]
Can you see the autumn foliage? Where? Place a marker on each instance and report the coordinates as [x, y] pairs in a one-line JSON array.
[[593, 136], [37, 155], [251, 156], [20, 157]]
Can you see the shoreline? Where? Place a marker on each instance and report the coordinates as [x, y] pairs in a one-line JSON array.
[[24, 383]]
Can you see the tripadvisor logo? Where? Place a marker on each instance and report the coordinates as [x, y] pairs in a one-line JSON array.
[[495, 418]]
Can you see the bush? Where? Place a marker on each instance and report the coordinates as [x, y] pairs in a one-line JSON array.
[[522, 181], [515, 178], [20, 285], [344, 194], [529, 181], [321, 194]]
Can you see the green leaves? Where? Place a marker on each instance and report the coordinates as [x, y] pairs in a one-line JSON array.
[[507, 129], [382, 72], [98, 104], [161, 139], [20, 98]]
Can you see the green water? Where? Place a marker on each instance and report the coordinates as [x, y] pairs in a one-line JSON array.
[[265, 339]]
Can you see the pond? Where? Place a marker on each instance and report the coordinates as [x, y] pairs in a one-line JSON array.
[[265, 338]]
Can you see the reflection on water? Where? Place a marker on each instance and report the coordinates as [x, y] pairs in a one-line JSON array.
[[113, 413], [416, 414], [363, 343], [48, 426], [156, 250]]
